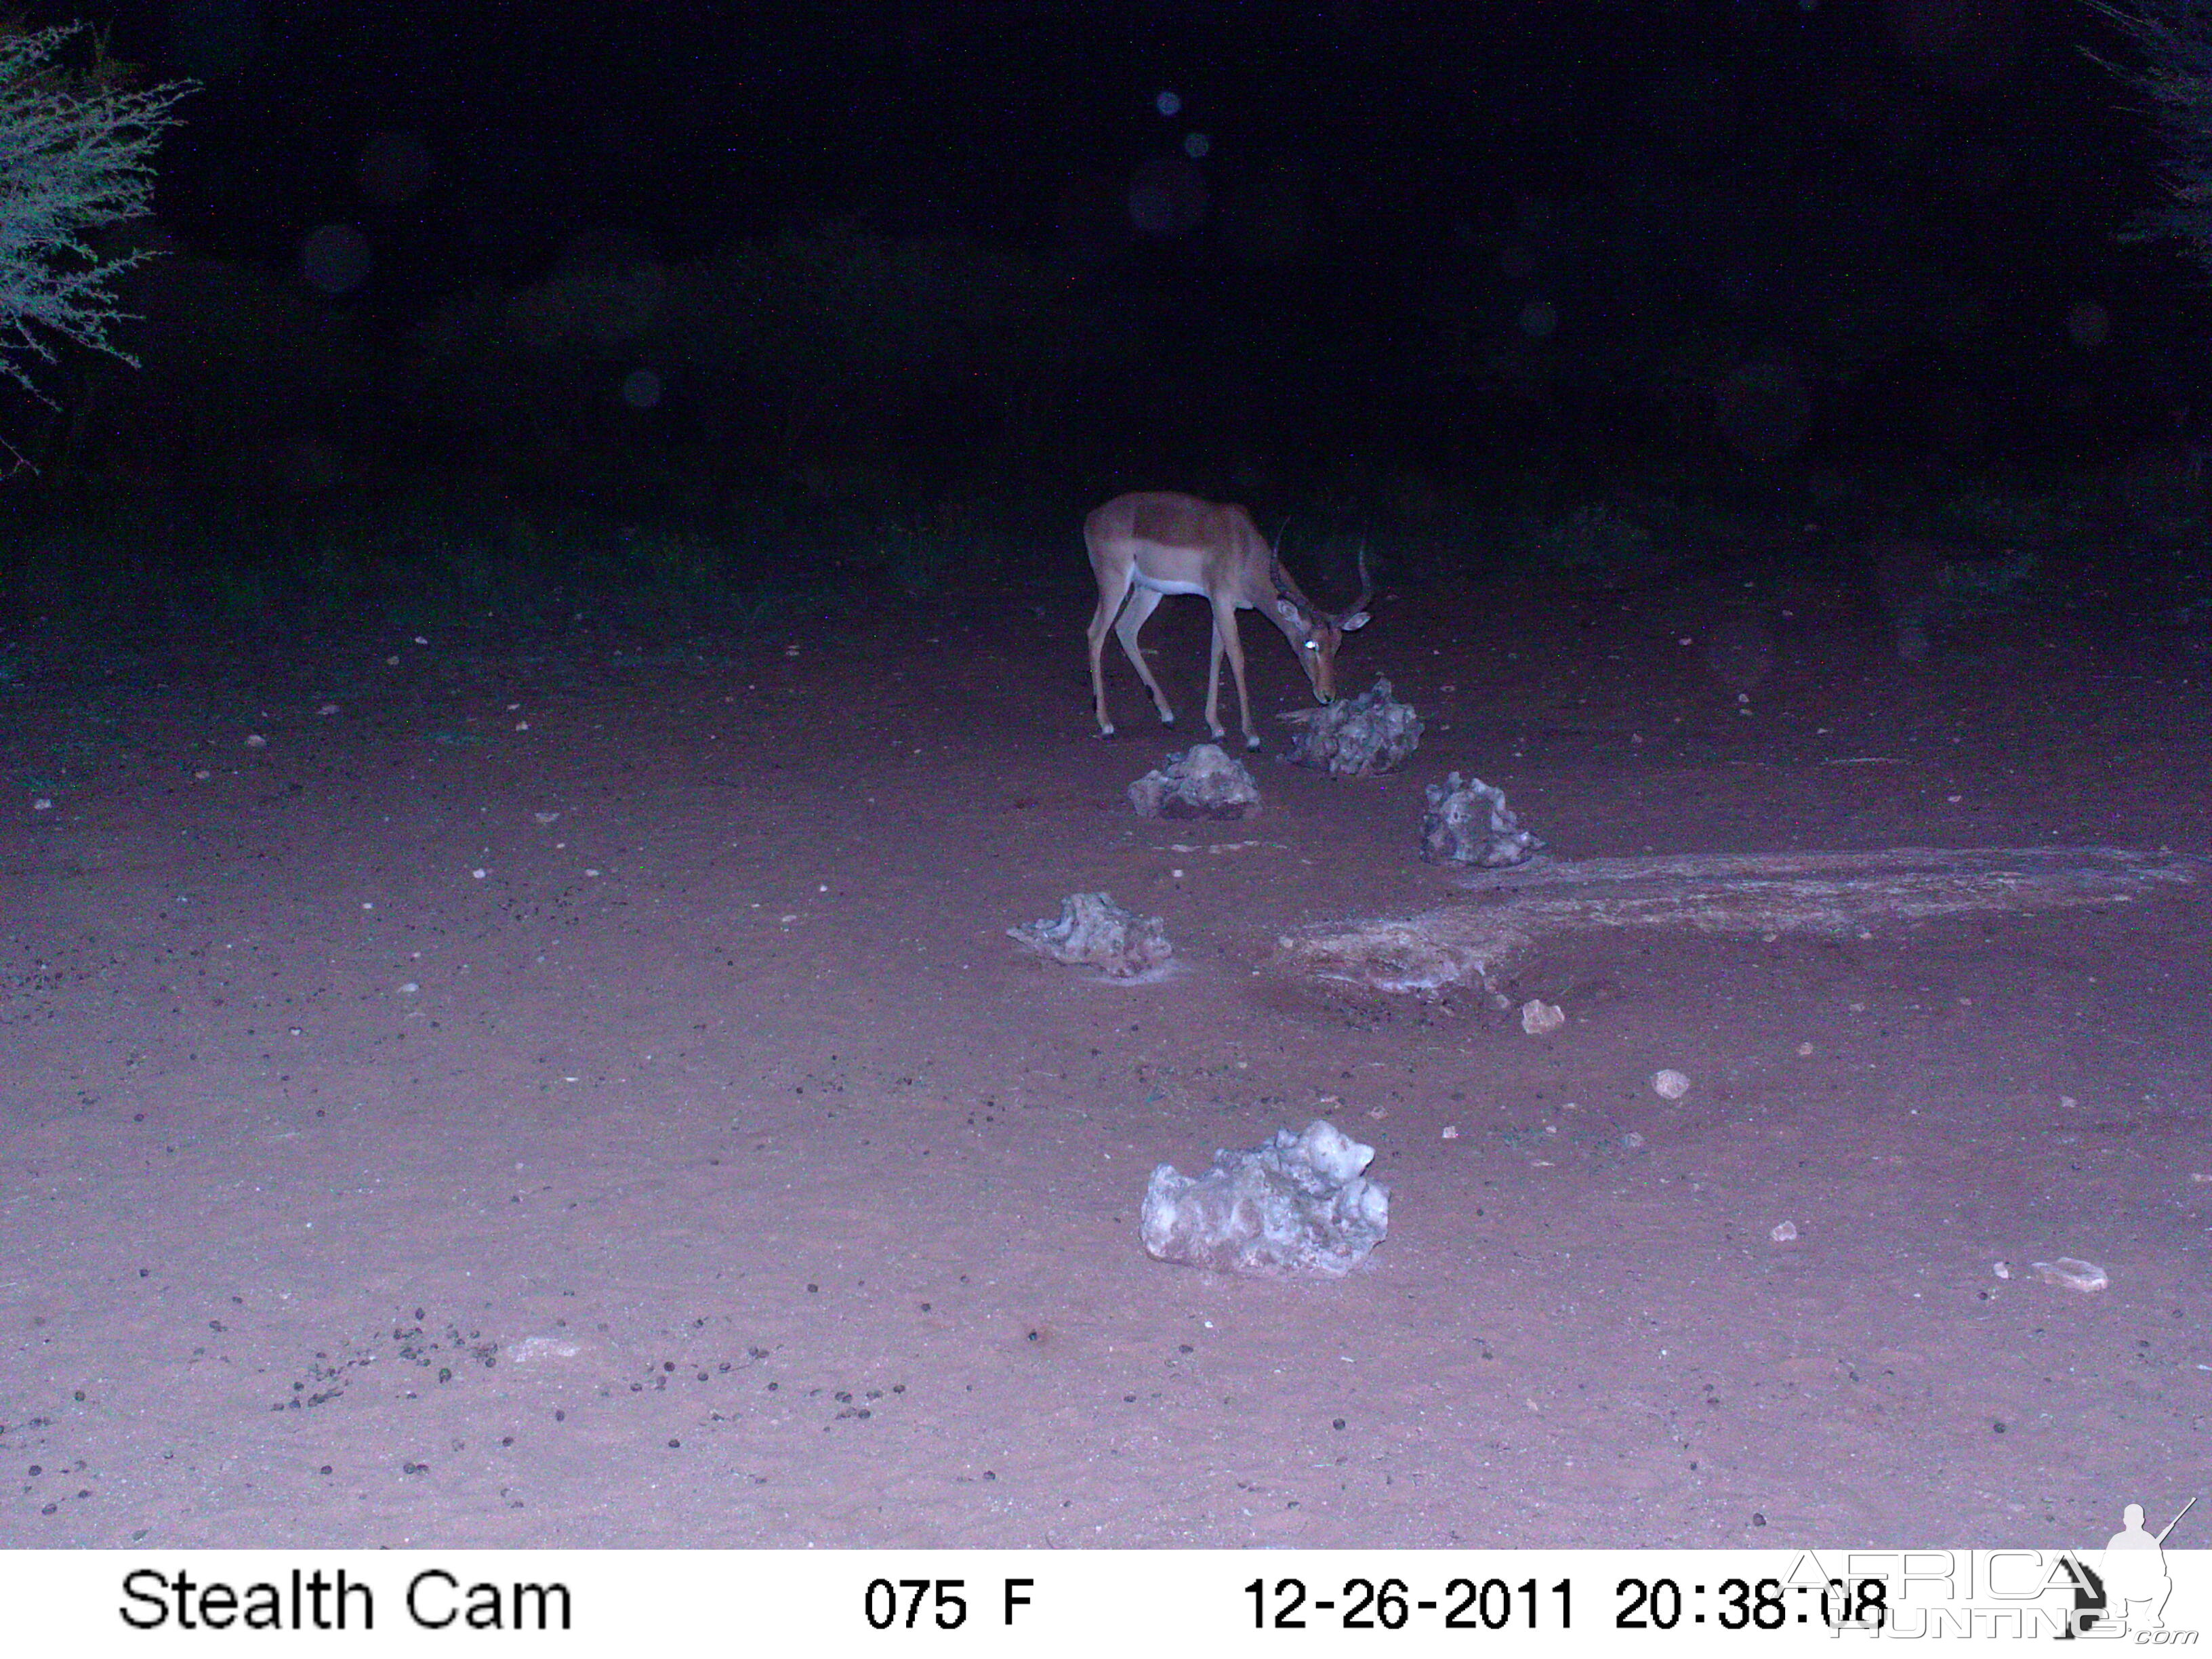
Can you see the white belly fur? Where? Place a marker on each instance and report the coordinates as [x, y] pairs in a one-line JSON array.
[[1138, 578]]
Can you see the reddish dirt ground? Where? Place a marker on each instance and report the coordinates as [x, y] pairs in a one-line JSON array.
[[591, 1100]]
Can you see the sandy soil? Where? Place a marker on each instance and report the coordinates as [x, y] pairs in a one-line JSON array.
[[591, 1100]]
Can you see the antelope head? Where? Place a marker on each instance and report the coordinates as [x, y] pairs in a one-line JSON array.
[[1314, 633]]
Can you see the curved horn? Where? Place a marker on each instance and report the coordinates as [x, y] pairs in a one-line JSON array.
[[1281, 578], [1366, 588]]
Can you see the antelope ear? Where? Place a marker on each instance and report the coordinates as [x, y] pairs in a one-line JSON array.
[[1356, 619], [1290, 612]]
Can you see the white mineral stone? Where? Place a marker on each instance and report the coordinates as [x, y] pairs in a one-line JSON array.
[[533, 1349], [1203, 781], [1093, 930], [1541, 1019], [1470, 824], [2074, 1274], [1297, 1203], [1357, 737]]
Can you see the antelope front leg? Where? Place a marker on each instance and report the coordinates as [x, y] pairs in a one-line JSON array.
[[1227, 642]]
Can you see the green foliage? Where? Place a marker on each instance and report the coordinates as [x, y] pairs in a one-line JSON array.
[[2174, 41], [75, 155]]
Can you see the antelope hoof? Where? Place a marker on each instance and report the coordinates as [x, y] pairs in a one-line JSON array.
[[1105, 732], [1251, 741]]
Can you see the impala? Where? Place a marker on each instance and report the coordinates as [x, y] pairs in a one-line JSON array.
[[1144, 547]]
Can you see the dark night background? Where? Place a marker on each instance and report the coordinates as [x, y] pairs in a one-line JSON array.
[[471, 304]]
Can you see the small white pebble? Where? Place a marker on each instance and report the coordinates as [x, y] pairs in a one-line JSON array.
[[328, 708], [410, 988], [1452, 1132], [1783, 1232], [1631, 1140], [1669, 1085], [2074, 1274], [2002, 1269], [42, 805], [257, 741], [1540, 1018], [1804, 1051]]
